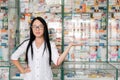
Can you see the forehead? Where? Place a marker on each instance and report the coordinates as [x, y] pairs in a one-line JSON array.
[[37, 22]]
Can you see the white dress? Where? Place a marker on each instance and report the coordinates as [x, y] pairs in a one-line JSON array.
[[39, 66]]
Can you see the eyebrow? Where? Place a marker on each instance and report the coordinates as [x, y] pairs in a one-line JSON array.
[[38, 25]]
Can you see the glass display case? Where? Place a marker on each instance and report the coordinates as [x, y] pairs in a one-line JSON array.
[[116, 65], [85, 23], [16, 75], [56, 72], [89, 71], [114, 34], [4, 71]]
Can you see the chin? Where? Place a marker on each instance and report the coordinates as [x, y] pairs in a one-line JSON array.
[[39, 36]]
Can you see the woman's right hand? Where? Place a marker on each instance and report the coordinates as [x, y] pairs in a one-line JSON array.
[[25, 70]]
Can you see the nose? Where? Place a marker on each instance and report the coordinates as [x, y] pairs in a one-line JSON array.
[[37, 27]]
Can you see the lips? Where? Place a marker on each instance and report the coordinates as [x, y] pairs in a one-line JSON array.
[[37, 32]]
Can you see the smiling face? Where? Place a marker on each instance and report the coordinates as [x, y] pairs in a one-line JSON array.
[[38, 29]]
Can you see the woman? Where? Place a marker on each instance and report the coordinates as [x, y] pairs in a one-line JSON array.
[[39, 53]]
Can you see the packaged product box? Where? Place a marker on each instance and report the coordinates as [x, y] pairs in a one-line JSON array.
[[114, 53], [24, 7], [112, 2], [4, 72], [68, 5], [1, 15], [117, 15]]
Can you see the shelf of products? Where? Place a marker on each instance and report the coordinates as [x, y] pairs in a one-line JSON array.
[[4, 46], [114, 31], [86, 24], [114, 34], [89, 71], [4, 41], [8, 23], [81, 6], [12, 25], [6, 26]]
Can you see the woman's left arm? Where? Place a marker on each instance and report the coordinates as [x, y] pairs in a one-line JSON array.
[[64, 54]]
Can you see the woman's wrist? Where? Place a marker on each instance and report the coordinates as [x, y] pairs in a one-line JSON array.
[[70, 45], [22, 71]]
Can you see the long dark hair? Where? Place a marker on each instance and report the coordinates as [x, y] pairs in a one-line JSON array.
[[32, 38]]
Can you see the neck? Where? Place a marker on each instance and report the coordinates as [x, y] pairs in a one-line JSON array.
[[38, 42], [37, 39]]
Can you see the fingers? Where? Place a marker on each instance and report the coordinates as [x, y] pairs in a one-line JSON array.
[[75, 44], [27, 70], [71, 44]]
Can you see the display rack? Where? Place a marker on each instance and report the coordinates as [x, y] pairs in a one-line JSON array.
[[4, 31], [16, 75], [4, 70], [89, 71], [116, 65], [86, 24], [4, 39], [114, 31], [114, 35], [8, 23]]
